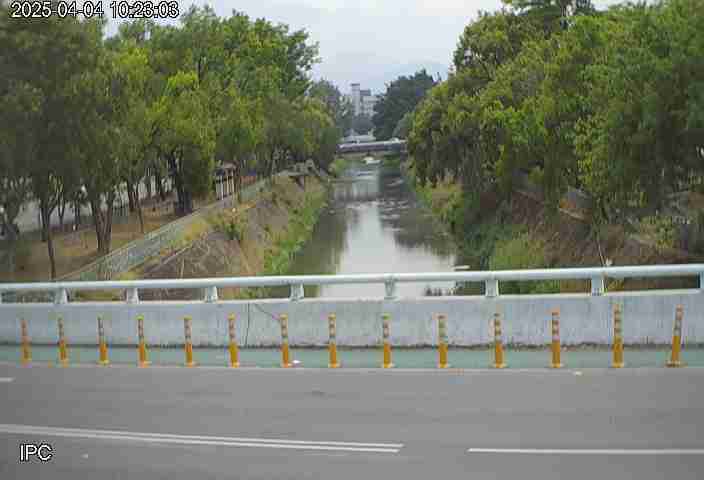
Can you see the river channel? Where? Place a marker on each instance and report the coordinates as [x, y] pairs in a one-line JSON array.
[[374, 224]]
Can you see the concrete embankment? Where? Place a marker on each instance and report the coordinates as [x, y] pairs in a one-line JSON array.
[[647, 320]]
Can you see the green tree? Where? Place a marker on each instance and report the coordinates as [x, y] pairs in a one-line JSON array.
[[337, 106], [402, 95], [48, 60], [186, 137]]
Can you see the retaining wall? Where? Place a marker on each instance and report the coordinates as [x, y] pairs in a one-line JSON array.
[[585, 319]]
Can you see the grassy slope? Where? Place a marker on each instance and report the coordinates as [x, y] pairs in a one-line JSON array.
[[521, 234]]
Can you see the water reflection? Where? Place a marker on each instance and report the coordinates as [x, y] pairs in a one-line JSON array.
[[374, 224]]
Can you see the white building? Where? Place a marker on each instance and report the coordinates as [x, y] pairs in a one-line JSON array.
[[362, 100], [368, 105]]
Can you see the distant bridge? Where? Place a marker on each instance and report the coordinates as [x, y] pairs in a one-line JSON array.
[[396, 146]]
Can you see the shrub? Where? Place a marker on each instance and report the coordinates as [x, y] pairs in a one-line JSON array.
[[660, 229], [523, 251], [232, 227]]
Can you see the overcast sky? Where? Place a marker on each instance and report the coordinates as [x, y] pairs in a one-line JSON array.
[[370, 41]]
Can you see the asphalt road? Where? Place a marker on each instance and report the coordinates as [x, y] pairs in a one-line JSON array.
[[177, 423]]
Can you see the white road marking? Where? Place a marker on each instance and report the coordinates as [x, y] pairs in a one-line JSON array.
[[201, 440], [590, 451], [6, 379]]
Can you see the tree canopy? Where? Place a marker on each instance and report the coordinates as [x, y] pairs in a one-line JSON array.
[[402, 95], [85, 113], [607, 101]]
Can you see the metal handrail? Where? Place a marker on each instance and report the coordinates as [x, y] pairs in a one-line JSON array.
[[597, 277]]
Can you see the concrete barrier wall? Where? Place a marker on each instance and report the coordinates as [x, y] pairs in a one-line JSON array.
[[585, 319]]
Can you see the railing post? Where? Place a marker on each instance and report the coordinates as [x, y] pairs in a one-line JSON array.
[[211, 294], [676, 339], [0, 296], [60, 296], [491, 289], [597, 286], [132, 295], [701, 282], [297, 292], [390, 287]]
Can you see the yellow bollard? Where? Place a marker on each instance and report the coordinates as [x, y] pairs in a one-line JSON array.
[[677, 339], [498, 346], [285, 357], [63, 352], [332, 347], [188, 346], [386, 320], [102, 344], [143, 362], [26, 348], [618, 338], [556, 363], [234, 353], [442, 341]]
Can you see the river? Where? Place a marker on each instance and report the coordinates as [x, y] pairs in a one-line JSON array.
[[374, 224]]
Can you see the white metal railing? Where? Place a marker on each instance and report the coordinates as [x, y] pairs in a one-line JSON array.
[[491, 279]]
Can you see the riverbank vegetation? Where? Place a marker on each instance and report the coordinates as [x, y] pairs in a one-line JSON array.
[[152, 102], [551, 99]]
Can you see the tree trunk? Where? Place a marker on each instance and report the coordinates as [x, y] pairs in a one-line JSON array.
[[138, 205], [10, 229], [45, 213], [78, 219], [43, 230], [184, 197], [159, 185], [130, 195], [103, 222], [148, 184], [61, 210]]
